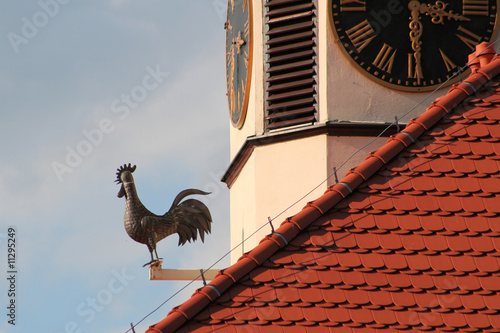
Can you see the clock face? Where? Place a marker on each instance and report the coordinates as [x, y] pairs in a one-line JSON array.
[[412, 45], [238, 58]]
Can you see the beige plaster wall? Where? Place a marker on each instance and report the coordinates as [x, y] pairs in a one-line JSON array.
[[275, 177], [344, 155]]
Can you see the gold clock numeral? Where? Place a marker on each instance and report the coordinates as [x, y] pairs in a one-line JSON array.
[[414, 68], [232, 99], [385, 58], [352, 5], [471, 43], [239, 100], [361, 34], [232, 6], [448, 63], [229, 27], [475, 7], [247, 29]]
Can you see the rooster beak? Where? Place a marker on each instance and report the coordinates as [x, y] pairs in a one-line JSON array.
[[122, 192]]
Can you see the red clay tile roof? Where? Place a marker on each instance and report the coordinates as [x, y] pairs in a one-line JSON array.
[[408, 240]]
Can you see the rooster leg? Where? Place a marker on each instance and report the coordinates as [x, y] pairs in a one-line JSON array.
[[152, 246], [151, 253], [157, 255], [152, 259]]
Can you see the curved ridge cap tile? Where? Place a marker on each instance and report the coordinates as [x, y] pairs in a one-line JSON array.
[[390, 149], [370, 165], [491, 70], [315, 206], [222, 282], [152, 329], [414, 129], [466, 88], [473, 62], [450, 100], [477, 80], [350, 182], [196, 303], [372, 154], [404, 138], [329, 199], [173, 321], [433, 114], [485, 52], [263, 251], [240, 268], [347, 185], [288, 230], [277, 238], [305, 217], [341, 189]]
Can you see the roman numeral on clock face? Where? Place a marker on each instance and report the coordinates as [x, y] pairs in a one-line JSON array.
[[361, 34], [475, 7], [414, 67], [448, 63], [352, 5], [469, 38], [385, 58]]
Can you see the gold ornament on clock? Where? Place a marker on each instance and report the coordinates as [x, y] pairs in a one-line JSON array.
[[412, 45]]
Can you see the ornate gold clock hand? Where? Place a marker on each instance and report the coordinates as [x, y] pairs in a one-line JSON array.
[[437, 13], [238, 41], [416, 30], [230, 81]]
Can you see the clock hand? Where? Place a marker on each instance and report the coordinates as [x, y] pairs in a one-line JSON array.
[[232, 94], [437, 12], [238, 41], [416, 29]]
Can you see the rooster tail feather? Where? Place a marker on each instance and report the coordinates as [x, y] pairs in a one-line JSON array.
[[184, 194], [186, 233], [192, 218], [205, 225], [200, 212], [182, 234]]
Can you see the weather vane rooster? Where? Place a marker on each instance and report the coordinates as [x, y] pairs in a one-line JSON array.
[[187, 218]]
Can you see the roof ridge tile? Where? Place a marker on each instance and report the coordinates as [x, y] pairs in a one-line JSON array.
[[449, 101]]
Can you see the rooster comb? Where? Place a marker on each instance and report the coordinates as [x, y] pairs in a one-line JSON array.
[[121, 169]]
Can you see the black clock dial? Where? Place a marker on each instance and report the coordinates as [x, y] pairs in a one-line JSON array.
[[412, 45], [238, 58]]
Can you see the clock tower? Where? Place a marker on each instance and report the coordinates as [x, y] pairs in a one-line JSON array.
[[312, 82]]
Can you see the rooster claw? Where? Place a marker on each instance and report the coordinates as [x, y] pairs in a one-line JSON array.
[[156, 262]]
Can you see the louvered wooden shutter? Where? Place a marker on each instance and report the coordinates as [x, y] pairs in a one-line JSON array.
[[291, 63]]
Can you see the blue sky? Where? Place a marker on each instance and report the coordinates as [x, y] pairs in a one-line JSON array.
[[86, 86]]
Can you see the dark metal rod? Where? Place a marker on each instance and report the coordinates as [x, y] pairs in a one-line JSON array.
[[203, 277], [271, 223]]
